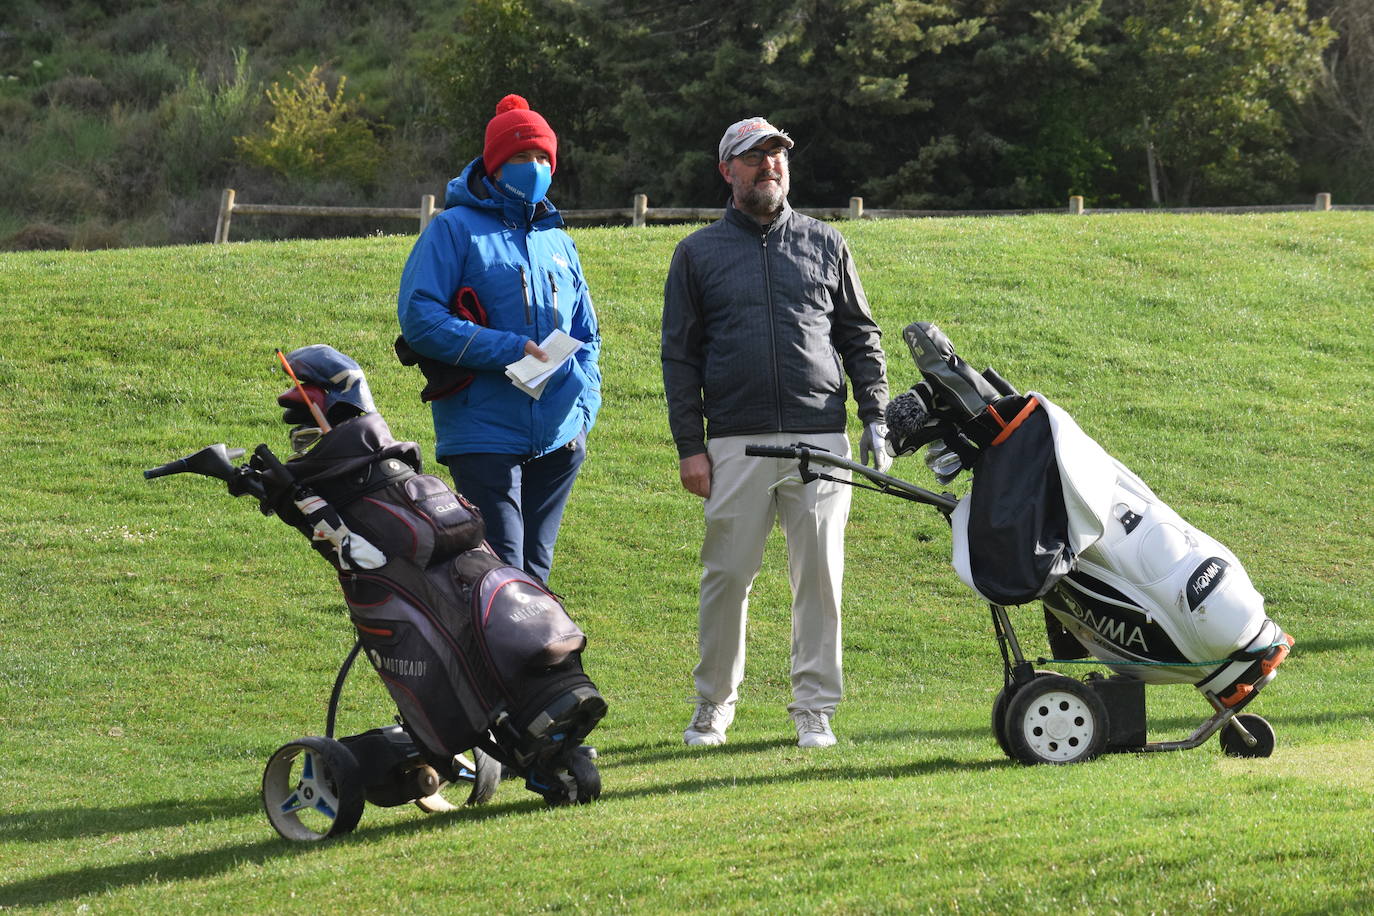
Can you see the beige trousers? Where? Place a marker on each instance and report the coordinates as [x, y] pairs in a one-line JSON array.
[[748, 495]]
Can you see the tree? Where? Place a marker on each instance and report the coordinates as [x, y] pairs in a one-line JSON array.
[[641, 90], [1338, 122], [1017, 111], [1211, 81]]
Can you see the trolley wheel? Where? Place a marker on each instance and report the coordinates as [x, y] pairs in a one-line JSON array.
[[579, 783], [1055, 720], [999, 720], [481, 772], [313, 788], [999, 712], [1233, 745]]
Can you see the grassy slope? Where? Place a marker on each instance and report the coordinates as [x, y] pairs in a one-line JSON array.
[[159, 640]]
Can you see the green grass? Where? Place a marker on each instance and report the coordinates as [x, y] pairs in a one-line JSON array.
[[158, 640]]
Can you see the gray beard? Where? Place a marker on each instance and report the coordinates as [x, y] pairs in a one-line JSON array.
[[763, 200]]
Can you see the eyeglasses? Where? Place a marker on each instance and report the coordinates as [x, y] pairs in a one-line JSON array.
[[753, 157]]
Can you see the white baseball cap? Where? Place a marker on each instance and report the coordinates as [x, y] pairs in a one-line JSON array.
[[747, 134]]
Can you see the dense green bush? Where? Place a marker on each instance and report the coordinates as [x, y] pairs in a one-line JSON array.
[[314, 134]]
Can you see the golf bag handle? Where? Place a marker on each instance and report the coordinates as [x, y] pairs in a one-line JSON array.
[[807, 455]]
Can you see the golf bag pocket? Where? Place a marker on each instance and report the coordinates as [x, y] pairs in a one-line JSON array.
[[425, 670], [524, 628], [454, 524]]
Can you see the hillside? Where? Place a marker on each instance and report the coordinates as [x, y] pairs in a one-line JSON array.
[[162, 638]]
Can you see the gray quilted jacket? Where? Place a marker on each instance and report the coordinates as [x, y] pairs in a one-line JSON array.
[[760, 328]]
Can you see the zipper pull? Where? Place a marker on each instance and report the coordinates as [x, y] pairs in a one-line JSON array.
[[553, 284], [525, 288]]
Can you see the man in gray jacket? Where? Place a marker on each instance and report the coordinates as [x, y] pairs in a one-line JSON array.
[[763, 317]]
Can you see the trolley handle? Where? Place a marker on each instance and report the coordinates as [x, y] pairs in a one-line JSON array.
[[772, 451], [211, 461], [807, 455]]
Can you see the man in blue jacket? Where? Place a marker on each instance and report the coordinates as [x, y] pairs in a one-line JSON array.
[[763, 318], [492, 276]]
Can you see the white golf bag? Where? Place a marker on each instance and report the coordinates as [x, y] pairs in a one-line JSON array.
[[1052, 516]]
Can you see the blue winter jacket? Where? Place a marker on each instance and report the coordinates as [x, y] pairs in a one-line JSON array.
[[527, 276]]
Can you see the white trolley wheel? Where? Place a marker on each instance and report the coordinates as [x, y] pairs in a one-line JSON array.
[[312, 788], [480, 772], [1055, 720], [999, 712]]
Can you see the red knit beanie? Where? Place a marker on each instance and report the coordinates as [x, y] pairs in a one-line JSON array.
[[516, 128]]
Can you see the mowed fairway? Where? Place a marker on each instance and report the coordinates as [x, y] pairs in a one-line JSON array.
[[159, 639]]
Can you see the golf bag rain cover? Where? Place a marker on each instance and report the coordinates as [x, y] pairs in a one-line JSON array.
[[460, 638], [1052, 516]]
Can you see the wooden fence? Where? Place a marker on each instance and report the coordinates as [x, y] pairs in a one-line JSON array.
[[640, 214]]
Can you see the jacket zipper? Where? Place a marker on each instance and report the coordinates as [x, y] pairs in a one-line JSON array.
[[772, 330], [525, 288], [553, 284]]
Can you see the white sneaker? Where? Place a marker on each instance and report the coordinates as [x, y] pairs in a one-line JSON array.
[[709, 724], [813, 728]]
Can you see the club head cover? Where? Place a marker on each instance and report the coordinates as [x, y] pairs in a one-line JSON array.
[[296, 412], [909, 421], [960, 392], [337, 375]]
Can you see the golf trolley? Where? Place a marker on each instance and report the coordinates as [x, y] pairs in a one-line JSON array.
[[1121, 576], [480, 658], [1040, 716]]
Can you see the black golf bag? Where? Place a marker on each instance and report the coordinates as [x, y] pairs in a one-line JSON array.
[[481, 659], [474, 652]]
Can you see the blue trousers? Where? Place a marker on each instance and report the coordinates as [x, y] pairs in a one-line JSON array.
[[521, 499]]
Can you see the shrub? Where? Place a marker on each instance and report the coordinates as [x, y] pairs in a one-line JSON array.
[[142, 79], [15, 113], [200, 122], [94, 235], [37, 237], [84, 92], [314, 134]]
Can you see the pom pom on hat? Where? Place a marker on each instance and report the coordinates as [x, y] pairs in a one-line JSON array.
[[516, 128]]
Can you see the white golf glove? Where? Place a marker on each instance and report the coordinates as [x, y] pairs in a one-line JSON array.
[[874, 443]]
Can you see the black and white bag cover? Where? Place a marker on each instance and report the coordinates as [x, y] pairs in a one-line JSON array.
[[1052, 516]]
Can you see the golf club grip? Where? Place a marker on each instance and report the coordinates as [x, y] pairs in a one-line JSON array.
[[162, 470], [771, 451]]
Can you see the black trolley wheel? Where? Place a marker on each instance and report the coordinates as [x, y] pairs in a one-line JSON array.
[[1233, 745], [1055, 720], [576, 781], [312, 788]]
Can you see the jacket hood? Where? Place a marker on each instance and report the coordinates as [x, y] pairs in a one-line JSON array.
[[473, 188]]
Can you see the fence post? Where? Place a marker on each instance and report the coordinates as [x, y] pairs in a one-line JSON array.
[[641, 210], [856, 208], [226, 208], [1076, 204], [426, 211], [1323, 202]]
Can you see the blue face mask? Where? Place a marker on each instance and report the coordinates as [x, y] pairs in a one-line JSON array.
[[525, 181]]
